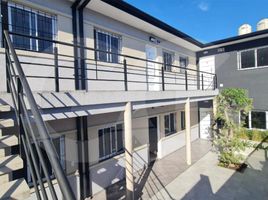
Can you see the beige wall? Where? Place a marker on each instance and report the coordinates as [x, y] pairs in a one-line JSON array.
[[134, 42]]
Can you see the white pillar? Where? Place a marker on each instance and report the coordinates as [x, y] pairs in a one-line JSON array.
[[249, 120], [129, 151], [188, 132]]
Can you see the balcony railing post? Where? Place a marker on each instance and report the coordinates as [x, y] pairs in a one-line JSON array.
[[202, 78], [163, 78], [125, 75], [56, 63], [19, 106], [186, 80]]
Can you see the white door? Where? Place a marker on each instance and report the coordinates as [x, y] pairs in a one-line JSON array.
[[153, 72], [205, 123], [207, 64]]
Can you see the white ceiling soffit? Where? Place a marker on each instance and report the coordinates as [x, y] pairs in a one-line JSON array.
[[124, 17]]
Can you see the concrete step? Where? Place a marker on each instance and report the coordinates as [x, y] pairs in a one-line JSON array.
[[17, 189], [6, 142], [5, 108], [9, 164], [5, 123]]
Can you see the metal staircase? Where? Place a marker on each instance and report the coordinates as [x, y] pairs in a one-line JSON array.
[[32, 131]]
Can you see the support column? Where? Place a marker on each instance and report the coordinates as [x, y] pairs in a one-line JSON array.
[[188, 132], [83, 157], [129, 151]]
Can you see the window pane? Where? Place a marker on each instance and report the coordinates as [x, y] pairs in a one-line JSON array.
[[113, 139], [168, 60], [102, 45], [258, 120], [247, 59], [262, 56], [244, 119], [115, 49], [182, 120], [167, 123], [107, 139], [172, 123], [120, 144], [45, 27], [20, 23], [101, 145], [183, 63]]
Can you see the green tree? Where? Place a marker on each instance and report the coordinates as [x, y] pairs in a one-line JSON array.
[[230, 102]]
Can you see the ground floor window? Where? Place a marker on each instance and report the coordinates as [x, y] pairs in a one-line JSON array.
[[170, 123], [59, 144], [258, 120], [182, 120], [110, 141]]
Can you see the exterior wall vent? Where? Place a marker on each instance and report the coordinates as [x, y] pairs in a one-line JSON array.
[[262, 24], [244, 29]]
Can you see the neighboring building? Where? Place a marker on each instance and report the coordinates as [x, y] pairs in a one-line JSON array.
[[110, 81], [242, 62]]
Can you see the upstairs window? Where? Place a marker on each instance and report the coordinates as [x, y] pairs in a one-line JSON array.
[[30, 22], [110, 141], [108, 46], [168, 59], [254, 58], [248, 59], [170, 123], [262, 58], [183, 63]]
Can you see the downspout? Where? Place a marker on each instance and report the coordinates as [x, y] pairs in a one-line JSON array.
[[75, 41], [82, 43], [80, 83]]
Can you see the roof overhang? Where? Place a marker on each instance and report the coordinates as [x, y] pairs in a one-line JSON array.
[[125, 13]]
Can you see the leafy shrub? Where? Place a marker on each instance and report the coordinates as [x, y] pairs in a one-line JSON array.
[[255, 135]]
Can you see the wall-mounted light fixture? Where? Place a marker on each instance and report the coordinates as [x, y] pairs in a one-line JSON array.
[[154, 40]]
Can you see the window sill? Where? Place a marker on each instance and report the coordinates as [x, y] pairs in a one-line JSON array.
[[252, 68]]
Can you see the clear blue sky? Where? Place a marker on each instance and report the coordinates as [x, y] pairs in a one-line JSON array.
[[206, 20]]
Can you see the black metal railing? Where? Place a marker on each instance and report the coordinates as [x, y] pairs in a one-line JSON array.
[[33, 131], [127, 73]]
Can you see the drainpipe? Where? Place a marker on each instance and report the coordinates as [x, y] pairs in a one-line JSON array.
[[82, 43], [80, 84], [75, 41]]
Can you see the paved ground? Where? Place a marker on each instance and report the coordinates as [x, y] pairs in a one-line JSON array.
[[158, 174], [206, 181]]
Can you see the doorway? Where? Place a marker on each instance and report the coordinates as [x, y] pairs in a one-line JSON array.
[[207, 64], [205, 123], [153, 138], [153, 72]]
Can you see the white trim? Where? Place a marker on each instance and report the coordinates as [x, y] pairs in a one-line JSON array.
[[239, 65]]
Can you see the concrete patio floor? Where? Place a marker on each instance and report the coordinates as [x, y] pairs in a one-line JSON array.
[[206, 181]]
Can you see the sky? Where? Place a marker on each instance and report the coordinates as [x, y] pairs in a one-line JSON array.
[[206, 20]]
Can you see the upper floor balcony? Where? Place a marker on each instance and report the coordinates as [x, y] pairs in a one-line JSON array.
[[57, 67]]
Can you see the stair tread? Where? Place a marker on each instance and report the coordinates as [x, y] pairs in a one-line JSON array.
[[17, 189], [5, 108], [8, 141], [4, 123], [10, 163]]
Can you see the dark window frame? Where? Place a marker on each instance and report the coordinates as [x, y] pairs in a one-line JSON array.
[[115, 144], [110, 50], [41, 24], [168, 60], [170, 128]]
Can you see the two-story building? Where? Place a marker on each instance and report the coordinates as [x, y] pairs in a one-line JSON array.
[[94, 90]]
